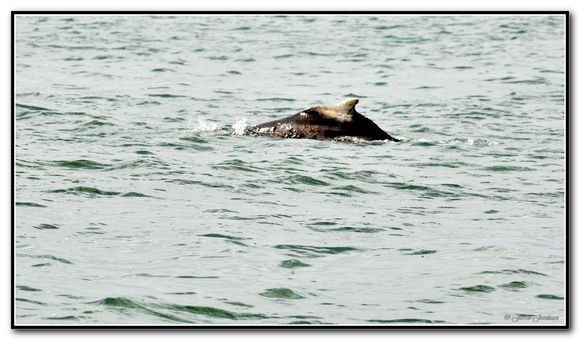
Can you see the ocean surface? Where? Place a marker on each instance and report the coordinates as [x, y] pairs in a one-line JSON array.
[[139, 199]]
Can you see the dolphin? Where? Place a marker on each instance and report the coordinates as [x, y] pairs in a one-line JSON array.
[[338, 122]]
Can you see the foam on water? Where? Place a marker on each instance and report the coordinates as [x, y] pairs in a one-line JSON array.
[[240, 126], [204, 126]]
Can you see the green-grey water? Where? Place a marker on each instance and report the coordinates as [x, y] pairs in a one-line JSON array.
[[139, 199]]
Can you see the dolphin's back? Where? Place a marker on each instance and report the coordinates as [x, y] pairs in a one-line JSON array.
[[325, 122]]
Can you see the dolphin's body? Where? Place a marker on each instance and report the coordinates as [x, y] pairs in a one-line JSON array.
[[340, 121]]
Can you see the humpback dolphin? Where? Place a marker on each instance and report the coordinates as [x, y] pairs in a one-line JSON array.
[[338, 121]]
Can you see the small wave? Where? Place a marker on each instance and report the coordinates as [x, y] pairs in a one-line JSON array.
[[514, 285], [65, 318], [513, 271], [30, 204], [195, 139], [549, 297], [423, 142], [230, 239], [353, 189], [80, 164], [215, 312], [426, 87], [420, 128], [430, 301], [364, 230], [28, 289], [140, 163], [168, 311], [312, 251], [46, 257], [162, 70], [27, 111], [477, 289], [93, 192], [324, 223], [32, 107], [245, 60], [166, 95], [108, 57], [203, 183], [362, 175], [235, 165], [87, 190], [506, 168], [55, 113], [299, 179], [224, 236], [134, 194], [127, 304], [31, 301], [537, 80], [293, 264], [195, 142], [93, 123], [422, 190], [418, 252], [46, 226], [281, 293], [196, 277], [282, 56], [318, 54], [220, 57], [453, 165], [388, 27], [276, 99], [177, 62]]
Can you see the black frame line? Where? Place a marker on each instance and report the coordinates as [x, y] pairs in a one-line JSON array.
[[429, 327]]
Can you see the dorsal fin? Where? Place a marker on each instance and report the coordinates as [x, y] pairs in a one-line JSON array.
[[346, 106], [342, 112]]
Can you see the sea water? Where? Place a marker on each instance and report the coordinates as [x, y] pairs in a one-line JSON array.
[[140, 200]]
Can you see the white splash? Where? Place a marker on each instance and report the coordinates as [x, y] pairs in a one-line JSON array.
[[201, 126], [240, 126]]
